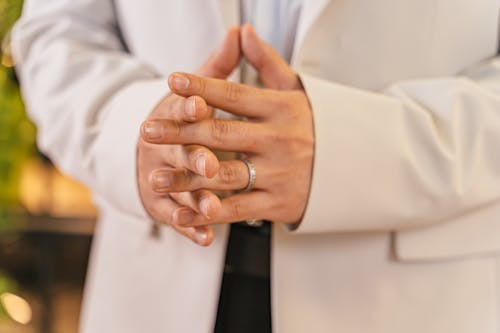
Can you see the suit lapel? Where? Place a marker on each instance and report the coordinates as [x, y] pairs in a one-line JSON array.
[[311, 9]]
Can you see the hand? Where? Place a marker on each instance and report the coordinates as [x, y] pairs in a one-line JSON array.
[[153, 160], [277, 138]]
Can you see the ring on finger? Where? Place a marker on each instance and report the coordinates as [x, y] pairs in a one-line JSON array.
[[252, 175]]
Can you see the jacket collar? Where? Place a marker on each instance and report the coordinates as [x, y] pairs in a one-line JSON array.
[[311, 9]]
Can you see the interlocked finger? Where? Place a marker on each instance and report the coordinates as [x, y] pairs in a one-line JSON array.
[[202, 202], [239, 99], [238, 207], [231, 176], [178, 108], [202, 235], [219, 134], [198, 159]]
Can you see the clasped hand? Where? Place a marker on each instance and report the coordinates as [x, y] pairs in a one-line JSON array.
[[177, 169]]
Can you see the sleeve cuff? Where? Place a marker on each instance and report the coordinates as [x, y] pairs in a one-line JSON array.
[[336, 178]]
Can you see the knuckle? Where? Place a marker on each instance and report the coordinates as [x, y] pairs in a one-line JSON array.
[[171, 150], [227, 174], [285, 101], [299, 102], [234, 209], [179, 180], [290, 141], [278, 138], [294, 144], [172, 155], [201, 85], [251, 137], [233, 92], [290, 103], [282, 209], [302, 143], [185, 178], [220, 130], [174, 131]]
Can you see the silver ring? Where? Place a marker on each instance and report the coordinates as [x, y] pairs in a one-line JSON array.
[[252, 176], [254, 223]]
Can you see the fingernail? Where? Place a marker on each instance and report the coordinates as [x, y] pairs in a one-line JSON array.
[[205, 207], [152, 130], [200, 237], [179, 81], [162, 180], [191, 109], [184, 216], [201, 164]]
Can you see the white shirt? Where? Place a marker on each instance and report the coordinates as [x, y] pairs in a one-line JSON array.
[[275, 22]]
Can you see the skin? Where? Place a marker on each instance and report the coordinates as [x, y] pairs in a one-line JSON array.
[[277, 136], [152, 159]]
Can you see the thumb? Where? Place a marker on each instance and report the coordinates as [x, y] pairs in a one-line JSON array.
[[273, 70], [225, 58]]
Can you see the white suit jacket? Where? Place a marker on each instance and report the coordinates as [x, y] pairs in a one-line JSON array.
[[402, 228]]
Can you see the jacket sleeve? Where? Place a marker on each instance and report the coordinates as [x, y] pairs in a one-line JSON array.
[[420, 153], [86, 94]]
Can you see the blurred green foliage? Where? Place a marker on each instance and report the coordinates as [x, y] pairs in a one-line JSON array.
[[17, 134], [9, 12]]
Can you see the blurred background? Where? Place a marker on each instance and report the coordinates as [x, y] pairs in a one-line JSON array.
[[46, 219]]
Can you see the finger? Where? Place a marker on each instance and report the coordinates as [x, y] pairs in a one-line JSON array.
[[220, 134], [239, 99], [273, 70], [232, 176], [203, 236], [167, 180], [202, 202], [191, 109], [196, 158], [225, 58], [238, 207]]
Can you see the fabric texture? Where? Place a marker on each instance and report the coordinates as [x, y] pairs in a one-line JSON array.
[[401, 231]]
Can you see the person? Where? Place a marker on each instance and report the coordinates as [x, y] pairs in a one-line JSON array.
[[366, 133]]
